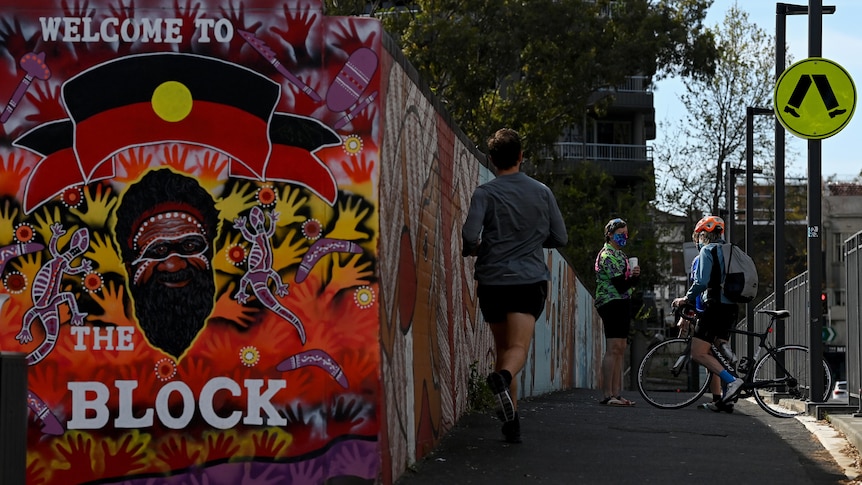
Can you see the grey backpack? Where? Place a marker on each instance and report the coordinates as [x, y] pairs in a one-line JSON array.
[[740, 278]]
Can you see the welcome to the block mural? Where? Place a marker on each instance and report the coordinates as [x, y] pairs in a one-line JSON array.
[[230, 247], [188, 237]]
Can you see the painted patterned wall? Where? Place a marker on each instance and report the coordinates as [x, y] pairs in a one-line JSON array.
[[230, 247], [189, 232]]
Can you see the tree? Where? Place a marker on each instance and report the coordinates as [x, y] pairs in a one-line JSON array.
[[691, 171], [588, 198], [532, 65]]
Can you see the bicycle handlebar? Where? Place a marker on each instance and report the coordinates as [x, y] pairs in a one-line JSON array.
[[686, 312]]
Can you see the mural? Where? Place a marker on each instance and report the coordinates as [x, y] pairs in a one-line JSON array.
[[188, 237], [230, 247]]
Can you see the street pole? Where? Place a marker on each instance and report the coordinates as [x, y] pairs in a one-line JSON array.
[[750, 112], [815, 244]]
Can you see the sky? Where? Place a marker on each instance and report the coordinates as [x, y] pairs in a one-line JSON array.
[[842, 43]]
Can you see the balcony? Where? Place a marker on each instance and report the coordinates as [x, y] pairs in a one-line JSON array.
[[619, 161], [633, 94]]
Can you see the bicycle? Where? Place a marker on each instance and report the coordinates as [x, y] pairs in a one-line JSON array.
[[669, 379]]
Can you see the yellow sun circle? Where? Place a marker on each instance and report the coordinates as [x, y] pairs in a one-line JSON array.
[[172, 101], [363, 297], [352, 144]]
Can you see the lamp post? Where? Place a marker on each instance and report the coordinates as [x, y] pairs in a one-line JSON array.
[[750, 113], [815, 10], [732, 174]]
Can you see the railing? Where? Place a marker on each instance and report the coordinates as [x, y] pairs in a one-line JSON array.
[[793, 330], [602, 152], [852, 265], [633, 84]]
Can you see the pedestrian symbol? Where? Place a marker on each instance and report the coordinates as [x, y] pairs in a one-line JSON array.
[[814, 98]]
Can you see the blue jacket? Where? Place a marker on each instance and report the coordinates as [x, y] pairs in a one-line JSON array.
[[703, 273]]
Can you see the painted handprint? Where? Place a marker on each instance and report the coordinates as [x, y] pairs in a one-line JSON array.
[[134, 164], [176, 452], [47, 104], [12, 175], [360, 170], [111, 301], [14, 40], [189, 16], [8, 216], [100, 201], [295, 34], [236, 15], [240, 199], [176, 158], [289, 204], [126, 456]]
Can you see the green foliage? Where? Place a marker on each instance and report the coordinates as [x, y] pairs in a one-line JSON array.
[[532, 65], [479, 396], [588, 199]]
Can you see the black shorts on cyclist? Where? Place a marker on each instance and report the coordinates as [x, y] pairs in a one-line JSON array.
[[716, 321]]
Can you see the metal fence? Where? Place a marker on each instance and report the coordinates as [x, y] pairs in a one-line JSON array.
[[852, 266], [793, 330]]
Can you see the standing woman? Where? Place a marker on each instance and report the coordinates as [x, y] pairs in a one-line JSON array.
[[615, 282], [510, 220]]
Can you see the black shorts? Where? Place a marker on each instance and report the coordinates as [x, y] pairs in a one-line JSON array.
[[716, 321], [616, 317], [496, 301]]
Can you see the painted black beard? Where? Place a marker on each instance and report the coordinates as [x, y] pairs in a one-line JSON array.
[[171, 318]]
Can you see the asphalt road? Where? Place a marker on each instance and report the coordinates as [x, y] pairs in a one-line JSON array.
[[569, 438]]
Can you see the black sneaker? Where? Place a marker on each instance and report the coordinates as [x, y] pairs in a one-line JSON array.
[[503, 400], [512, 430]]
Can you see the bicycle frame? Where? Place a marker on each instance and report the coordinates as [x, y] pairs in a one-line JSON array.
[[763, 344]]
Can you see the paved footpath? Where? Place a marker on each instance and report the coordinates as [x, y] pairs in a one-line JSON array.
[[569, 438]]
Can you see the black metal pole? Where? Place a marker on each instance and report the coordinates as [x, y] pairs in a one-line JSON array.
[[750, 112], [778, 276], [815, 244], [730, 203], [749, 210]]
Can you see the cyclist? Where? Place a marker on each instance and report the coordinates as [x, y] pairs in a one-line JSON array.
[[684, 325], [719, 313]]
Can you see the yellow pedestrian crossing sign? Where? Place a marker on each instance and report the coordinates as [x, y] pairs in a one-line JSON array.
[[819, 112]]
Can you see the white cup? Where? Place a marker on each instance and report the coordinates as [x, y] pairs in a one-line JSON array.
[[633, 262]]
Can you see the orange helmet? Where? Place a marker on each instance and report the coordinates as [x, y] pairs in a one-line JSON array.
[[710, 224]]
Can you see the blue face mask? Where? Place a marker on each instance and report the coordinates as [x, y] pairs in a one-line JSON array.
[[620, 239]]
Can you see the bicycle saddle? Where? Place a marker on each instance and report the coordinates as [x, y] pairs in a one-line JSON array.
[[776, 314]]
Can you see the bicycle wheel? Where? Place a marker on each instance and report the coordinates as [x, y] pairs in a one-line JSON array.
[[781, 381], [668, 378]]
